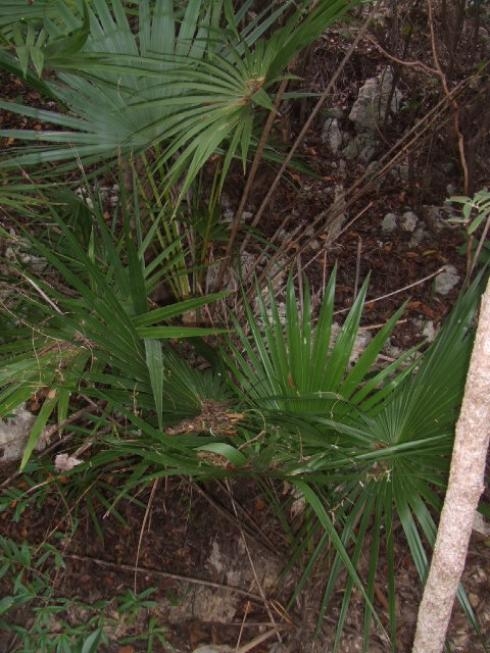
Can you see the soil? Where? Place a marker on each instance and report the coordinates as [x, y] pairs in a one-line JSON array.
[[222, 580]]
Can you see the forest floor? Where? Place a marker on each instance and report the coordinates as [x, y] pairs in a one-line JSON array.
[[184, 539]]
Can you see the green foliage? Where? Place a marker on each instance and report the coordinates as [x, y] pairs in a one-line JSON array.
[[93, 327], [476, 220], [33, 32], [62, 624], [295, 366], [158, 89], [479, 204], [191, 82], [368, 448]]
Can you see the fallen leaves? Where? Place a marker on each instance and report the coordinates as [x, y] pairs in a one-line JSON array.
[[214, 418]]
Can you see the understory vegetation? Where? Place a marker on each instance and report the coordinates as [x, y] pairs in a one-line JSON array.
[[137, 341]]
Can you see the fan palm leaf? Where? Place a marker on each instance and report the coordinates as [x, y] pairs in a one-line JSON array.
[[289, 365], [403, 459], [179, 80], [368, 448], [86, 321]]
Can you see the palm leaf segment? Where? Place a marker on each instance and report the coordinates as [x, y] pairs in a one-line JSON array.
[[182, 79]]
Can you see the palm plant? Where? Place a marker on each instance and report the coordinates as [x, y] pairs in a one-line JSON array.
[[85, 321], [368, 448], [290, 366]]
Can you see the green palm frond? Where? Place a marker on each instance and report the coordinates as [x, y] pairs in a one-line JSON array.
[[392, 463], [188, 388], [368, 448], [39, 32], [13, 12], [86, 322], [294, 365], [190, 82]]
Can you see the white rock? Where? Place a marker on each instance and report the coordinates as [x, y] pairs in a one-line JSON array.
[[409, 221], [446, 280], [389, 224], [63, 462], [369, 110], [331, 135], [364, 111], [429, 331], [14, 432]]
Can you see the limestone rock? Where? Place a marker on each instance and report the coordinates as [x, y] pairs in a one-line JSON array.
[[370, 108], [409, 221], [446, 280], [331, 135], [14, 432], [390, 223]]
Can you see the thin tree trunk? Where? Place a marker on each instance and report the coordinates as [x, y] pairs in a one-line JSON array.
[[466, 483]]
